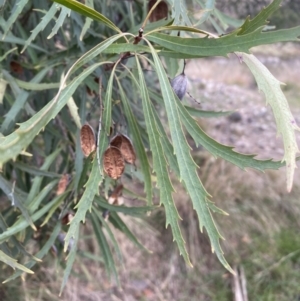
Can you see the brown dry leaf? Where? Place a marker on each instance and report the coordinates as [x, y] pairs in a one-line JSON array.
[[63, 184], [113, 162], [87, 140], [160, 12], [116, 196], [123, 143]]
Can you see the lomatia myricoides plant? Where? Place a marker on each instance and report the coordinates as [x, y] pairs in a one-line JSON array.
[[82, 87]]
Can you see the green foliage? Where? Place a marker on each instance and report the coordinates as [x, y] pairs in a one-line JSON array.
[[45, 101]]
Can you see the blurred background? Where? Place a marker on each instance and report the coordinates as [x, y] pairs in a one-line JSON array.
[[262, 230]]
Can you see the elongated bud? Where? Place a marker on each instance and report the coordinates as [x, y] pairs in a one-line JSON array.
[[179, 84]]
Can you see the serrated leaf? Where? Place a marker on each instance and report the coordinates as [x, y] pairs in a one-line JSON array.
[[85, 203], [286, 124], [74, 112], [186, 164], [13, 263], [160, 167], [88, 12], [41, 26], [59, 22], [260, 19], [223, 151], [18, 7], [225, 44]]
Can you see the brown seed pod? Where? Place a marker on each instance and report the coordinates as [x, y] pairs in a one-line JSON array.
[[67, 218], [16, 67], [160, 11], [123, 143], [87, 140], [116, 196], [63, 184], [113, 162]]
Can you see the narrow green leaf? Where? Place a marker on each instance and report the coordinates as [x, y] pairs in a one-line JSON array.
[[88, 21], [19, 226], [206, 114], [186, 164], [225, 44], [36, 184], [103, 244], [286, 124], [43, 251], [41, 26], [160, 167], [3, 57], [13, 263], [15, 242], [138, 144], [119, 224], [14, 40], [18, 7], [16, 200], [19, 103], [220, 150], [36, 87], [70, 260], [59, 22], [85, 203], [3, 85], [59, 200], [110, 233], [261, 19], [135, 211], [34, 170], [88, 12]]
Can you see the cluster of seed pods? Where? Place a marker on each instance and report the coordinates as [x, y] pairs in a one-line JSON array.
[[119, 152]]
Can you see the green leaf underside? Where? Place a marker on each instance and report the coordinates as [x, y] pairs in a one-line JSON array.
[[225, 44], [187, 166], [160, 167], [87, 12], [286, 124]]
